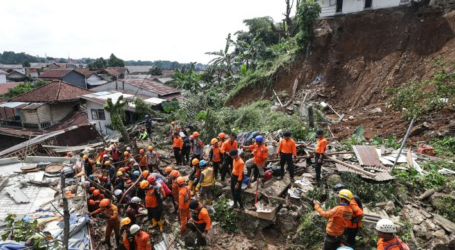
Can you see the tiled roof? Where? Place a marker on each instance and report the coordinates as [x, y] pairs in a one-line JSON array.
[[5, 86], [121, 70], [55, 73], [152, 86], [56, 91], [86, 72], [112, 72]]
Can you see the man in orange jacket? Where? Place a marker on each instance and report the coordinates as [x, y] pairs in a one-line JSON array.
[[227, 146], [142, 159], [113, 223], [287, 150], [260, 155], [321, 147], [184, 203], [177, 146], [215, 156], [141, 238], [200, 222], [338, 217], [154, 196], [236, 178], [387, 240]]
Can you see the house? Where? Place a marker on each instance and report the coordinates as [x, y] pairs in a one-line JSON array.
[[336, 7], [43, 106], [139, 70], [147, 87], [33, 73], [2, 76], [8, 67], [101, 118], [67, 75], [16, 76], [123, 71], [92, 78]]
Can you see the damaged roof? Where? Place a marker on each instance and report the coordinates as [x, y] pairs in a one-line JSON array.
[[56, 91], [152, 86]]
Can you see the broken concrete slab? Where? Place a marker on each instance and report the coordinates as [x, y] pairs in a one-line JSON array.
[[17, 195]]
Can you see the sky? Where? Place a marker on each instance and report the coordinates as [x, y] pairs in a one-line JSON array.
[[177, 30]]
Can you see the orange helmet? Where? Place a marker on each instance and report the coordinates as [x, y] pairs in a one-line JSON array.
[[172, 123], [126, 153], [175, 173], [122, 169], [105, 203], [144, 184], [141, 151], [91, 202], [168, 169], [85, 157], [222, 135], [96, 192], [100, 176], [180, 180], [150, 148], [195, 162], [107, 163], [196, 134], [145, 173], [125, 221], [213, 141], [91, 189]]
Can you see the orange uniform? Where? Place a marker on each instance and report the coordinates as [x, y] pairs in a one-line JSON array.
[[287, 147], [152, 198], [142, 240], [203, 217], [113, 224], [228, 146], [321, 146], [260, 153], [184, 207], [216, 154], [338, 217], [237, 170], [112, 211], [178, 143], [175, 190], [142, 161], [357, 213], [393, 244]]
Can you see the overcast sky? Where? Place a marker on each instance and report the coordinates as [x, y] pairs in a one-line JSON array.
[[176, 30]]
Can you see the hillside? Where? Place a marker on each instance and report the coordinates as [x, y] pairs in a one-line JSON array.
[[359, 56]]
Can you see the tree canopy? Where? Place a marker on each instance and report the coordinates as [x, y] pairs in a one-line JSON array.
[[115, 61]]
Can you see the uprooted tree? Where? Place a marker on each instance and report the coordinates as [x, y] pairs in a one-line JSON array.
[[117, 112]]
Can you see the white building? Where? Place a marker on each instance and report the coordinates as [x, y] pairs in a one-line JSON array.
[[335, 7], [2, 76]]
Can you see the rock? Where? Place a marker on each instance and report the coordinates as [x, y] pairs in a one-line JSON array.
[[430, 225], [333, 179], [389, 207], [421, 231], [351, 118], [376, 111], [439, 234], [283, 212]]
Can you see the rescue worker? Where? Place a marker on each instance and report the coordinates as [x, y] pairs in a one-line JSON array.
[[115, 154], [141, 238], [143, 135], [319, 153], [236, 178], [126, 158], [111, 170], [113, 223], [355, 223], [195, 175], [338, 217], [91, 205], [152, 159], [133, 209], [175, 188], [215, 157], [154, 195], [387, 239], [142, 159], [184, 203], [197, 146], [227, 147], [97, 196], [121, 179], [206, 182], [148, 124], [89, 165], [174, 128], [177, 146], [260, 155], [287, 150], [102, 153], [200, 222], [186, 150], [128, 238]]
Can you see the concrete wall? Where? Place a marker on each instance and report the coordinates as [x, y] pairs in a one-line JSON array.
[[75, 79], [100, 124], [31, 116], [118, 85], [61, 110], [352, 6], [2, 78]]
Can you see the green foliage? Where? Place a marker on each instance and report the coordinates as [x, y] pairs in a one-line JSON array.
[[224, 59], [419, 183], [156, 71], [19, 90], [307, 12], [117, 111], [10, 57], [225, 216], [171, 106], [21, 231], [369, 192], [115, 61], [141, 107], [99, 63], [356, 138], [187, 79], [445, 206], [444, 146], [390, 142], [416, 98], [311, 232], [259, 26]]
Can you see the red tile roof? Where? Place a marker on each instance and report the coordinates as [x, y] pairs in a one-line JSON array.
[[86, 72], [20, 132], [112, 72], [121, 70], [152, 86], [55, 73], [56, 91], [5, 86]]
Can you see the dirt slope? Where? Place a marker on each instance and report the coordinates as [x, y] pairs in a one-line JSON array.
[[359, 56]]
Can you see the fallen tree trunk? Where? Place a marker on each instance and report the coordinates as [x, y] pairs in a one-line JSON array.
[[360, 170]]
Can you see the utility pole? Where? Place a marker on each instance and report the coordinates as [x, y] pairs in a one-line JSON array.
[[310, 117], [66, 213]]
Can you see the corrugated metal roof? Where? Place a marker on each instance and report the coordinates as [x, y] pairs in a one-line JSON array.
[[33, 106], [367, 155], [151, 86], [11, 104], [154, 100], [17, 194]]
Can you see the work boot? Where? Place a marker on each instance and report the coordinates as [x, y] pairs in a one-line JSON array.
[[154, 223], [160, 223], [208, 202]]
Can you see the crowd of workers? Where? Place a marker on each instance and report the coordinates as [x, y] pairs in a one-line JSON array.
[[136, 186]]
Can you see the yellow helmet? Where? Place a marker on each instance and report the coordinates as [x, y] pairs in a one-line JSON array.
[[125, 221], [345, 194], [144, 184], [214, 141], [119, 173]]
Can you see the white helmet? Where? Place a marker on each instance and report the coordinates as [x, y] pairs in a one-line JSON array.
[[136, 200], [118, 192], [134, 228], [105, 156], [386, 226], [128, 149], [132, 160]]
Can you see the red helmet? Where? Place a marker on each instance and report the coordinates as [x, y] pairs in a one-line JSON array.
[[105, 178], [268, 175], [96, 192], [105, 203], [151, 178], [91, 189], [141, 151], [91, 202]]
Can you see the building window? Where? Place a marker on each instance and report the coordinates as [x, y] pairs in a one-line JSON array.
[[98, 114], [368, 4]]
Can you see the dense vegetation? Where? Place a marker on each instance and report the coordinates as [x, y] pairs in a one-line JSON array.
[[10, 57], [23, 88]]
